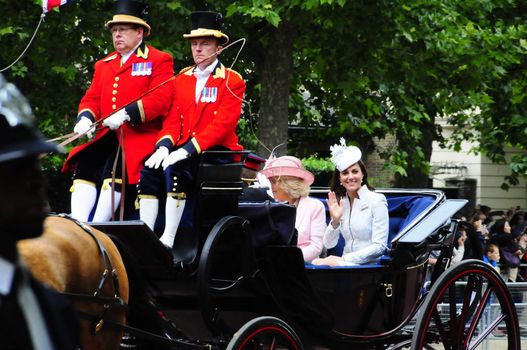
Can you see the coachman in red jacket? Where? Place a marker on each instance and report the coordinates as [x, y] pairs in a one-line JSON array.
[[131, 130], [204, 114]]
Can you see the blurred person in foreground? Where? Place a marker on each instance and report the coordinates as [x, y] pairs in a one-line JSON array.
[[31, 315]]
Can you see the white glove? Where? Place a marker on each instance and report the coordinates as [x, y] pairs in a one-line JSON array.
[[175, 157], [157, 158], [116, 120], [84, 126]]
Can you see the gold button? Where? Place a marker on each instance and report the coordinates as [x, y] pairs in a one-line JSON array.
[[114, 106], [114, 99], [175, 177], [114, 92], [115, 85], [193, 134], [116, 78], [215, 112]]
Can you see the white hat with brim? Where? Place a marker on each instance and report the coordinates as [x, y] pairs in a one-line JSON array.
[[344, 156], [123, 19], [287, 166]]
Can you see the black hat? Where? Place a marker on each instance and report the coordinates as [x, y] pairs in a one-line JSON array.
[[18, 136], [130, 11], [205, 23], [254, 162]]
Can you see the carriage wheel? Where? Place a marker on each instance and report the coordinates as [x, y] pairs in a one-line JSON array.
[[463, 316], [267, 333], [221, 268]]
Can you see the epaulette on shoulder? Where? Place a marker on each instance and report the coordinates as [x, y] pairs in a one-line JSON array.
[[109, 57], [186, 70], [235, 72]]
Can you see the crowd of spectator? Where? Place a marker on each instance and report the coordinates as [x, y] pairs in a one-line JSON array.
[[503, 239]]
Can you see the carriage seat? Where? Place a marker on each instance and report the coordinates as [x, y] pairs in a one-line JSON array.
[[402, 211], [270, 222], [218, 186]]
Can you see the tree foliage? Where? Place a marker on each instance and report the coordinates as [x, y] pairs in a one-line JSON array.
[[359, 69]]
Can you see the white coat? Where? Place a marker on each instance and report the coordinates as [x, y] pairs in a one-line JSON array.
[[364, 228]]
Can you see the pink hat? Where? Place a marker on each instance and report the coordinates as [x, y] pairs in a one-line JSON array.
[[287, 166]]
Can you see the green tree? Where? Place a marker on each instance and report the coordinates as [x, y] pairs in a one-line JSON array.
[[372, 69], [359, 69]]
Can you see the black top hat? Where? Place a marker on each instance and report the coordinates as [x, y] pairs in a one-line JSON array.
[[130, 11], [204, 24]]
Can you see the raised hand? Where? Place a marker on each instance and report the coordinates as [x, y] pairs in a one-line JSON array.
[[336, 208]]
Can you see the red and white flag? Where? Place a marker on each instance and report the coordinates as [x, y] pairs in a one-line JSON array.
[[51, 4]]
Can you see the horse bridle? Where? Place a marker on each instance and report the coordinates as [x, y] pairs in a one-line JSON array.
[[97, 321]]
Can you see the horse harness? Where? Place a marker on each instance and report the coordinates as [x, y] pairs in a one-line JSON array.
[[97, 321]]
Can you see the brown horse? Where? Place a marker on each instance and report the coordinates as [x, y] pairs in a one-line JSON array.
[[80, 261]]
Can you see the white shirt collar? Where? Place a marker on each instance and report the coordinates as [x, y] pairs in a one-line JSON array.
[[7, 272], [208, 70], [126, 56], [202, 76]]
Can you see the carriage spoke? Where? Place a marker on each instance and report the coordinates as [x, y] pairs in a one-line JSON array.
[[471, 295], [452, 303], [272, 346], [486, 332], [473, 292], [441, 329], [483, 302]]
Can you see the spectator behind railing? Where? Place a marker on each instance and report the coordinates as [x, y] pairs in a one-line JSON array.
[[357, 213], [500, 234], [491, 255], [459, 249], [517, 223], [478, 223]]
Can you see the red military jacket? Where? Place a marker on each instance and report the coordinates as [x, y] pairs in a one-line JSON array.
[[113, 87], [212, 120]]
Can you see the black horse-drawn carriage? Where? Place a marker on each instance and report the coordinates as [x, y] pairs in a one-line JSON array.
[[236, 266]]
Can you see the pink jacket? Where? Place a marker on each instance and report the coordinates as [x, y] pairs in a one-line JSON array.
[[310, 223]]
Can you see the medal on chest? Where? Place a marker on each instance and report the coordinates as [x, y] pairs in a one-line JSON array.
[[209, 94], [141, 69]]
